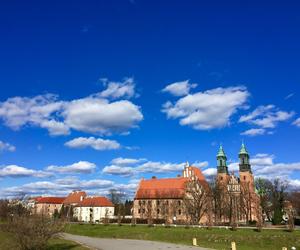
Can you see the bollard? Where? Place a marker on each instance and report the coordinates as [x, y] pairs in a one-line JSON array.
[[284, 248], [195, 242], [233, 246]]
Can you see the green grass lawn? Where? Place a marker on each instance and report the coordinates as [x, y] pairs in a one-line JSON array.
[[7, 243], [246, 239]]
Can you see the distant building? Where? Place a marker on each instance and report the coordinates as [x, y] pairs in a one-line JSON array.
[[93, 209], [163, 198], [74, 198], [48, 205]]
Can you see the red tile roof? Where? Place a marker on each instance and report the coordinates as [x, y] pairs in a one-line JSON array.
[[170, 188], [75, 197], [50, 200], [161, 188], [96, 201]]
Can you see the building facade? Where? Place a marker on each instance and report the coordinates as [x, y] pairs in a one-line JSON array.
[[93, 209], [48, 205], [237, 201], [230, 200], [164, 198]]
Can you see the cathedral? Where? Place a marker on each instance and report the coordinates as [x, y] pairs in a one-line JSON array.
[[237, 200], [229, 199]]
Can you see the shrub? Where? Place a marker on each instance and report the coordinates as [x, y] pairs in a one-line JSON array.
[[33, 232]]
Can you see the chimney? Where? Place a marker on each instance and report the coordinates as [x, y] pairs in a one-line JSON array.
[[153, 177]]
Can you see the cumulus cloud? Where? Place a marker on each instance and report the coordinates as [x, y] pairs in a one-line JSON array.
[[118, 170], [180, 88], [210, 172], [93, 114], [209, 109], [126, 161], [99, 116], [265, 117], [18, 171], [130, 167], [5, 146], [95, 143], [117, 90], [83, 167], [297, 122], [254, 132], [36, 111], [58, 187]]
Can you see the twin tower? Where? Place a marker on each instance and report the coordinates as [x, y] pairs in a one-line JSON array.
[[244, 165]]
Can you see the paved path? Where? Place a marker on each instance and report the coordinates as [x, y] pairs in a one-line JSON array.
[[121, 244]]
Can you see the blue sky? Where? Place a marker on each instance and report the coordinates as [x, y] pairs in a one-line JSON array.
[[98, 94]]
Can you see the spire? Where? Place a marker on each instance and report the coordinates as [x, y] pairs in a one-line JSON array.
[[243, 150], [221, 152], [244, 165], [221, 161], [187, 164]]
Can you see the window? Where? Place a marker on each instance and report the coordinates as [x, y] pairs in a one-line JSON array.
[[158, 211], [139, 211], [149, 203], [179, 211], [143, 210], [221, 178], [179, 203], [244, 177], [167, 202], [140, 203], [157, 202]]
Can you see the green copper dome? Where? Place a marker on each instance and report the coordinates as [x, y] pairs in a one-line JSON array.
[[243, 150], [221, 152]]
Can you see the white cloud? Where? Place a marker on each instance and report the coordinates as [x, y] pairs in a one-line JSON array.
[[209, 109], [116, 90], [58, 187], [119, 170], [254, 132], [209, 172], [37, 111], [160, 167], [78, 167], [265, 117], [200, 164], [297, 122], [99, 116], [4, 146], [129, 167], [126, 161], [97, 144], [17, 171], [93, 114], [180, 88]]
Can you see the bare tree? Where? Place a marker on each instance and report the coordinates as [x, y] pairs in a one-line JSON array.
[[33, 231], [196, 200], [264, 190]]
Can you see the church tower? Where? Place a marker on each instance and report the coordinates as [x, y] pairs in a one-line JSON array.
[[222, 169], [245, 168], [244, 160]]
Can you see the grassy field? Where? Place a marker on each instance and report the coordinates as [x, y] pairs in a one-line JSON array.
[[246, 239], [7, 243]]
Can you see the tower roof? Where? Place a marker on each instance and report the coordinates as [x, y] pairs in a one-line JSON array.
[[243, 150], [221, 152]]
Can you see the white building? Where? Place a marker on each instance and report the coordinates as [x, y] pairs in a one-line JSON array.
[[94, 209]]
